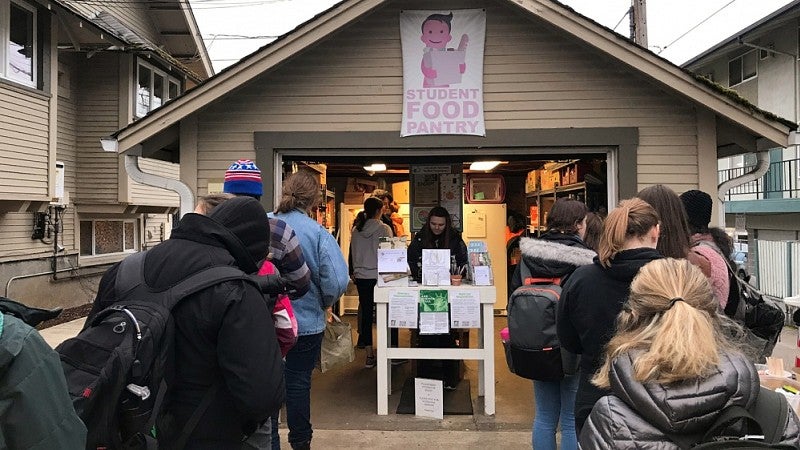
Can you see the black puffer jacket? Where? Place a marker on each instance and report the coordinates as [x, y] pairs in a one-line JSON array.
[[636, 415], [554, 255], [224, 335]]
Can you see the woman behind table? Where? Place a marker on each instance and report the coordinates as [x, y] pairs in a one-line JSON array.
[[437, 233], [670, 366], [558, 252], [593, 295], [329, 279], [367, 233]]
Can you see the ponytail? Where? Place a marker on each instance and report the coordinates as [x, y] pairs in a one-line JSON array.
[[631, 219], [671, 317]]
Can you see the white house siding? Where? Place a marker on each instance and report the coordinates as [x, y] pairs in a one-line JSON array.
[[131, 14], [67, 142], [98, 100], [776, 73], [23, 144], [149, 195], [534, 78]]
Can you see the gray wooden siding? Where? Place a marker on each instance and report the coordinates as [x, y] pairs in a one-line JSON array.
[[149, 195], [67, 151], [156, 228], [534, 78], [132, 14], [23, 144], [98, 115]]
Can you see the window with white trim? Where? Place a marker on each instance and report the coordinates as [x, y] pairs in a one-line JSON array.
[[742, 68], [107, 236], [153, 88], [18, 45]]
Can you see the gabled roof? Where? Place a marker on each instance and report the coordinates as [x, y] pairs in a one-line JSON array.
[[668, 75], [788, 12], [180, 41]]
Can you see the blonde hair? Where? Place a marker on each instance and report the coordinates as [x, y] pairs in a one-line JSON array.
[[633, 218], [207, 203], [671, 316], [301, 191]]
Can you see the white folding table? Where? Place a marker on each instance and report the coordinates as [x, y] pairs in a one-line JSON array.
[[484, 353]]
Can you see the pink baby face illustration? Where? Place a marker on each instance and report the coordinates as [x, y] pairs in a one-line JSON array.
[[436, 34]]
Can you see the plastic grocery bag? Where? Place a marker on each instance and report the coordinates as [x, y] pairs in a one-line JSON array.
[[337, 345]]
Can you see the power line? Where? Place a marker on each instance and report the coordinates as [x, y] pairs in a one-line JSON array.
[[695, 27], [627, 11], [196, 4], [233, 37]]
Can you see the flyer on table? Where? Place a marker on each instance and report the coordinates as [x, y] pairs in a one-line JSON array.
[[443, 72]]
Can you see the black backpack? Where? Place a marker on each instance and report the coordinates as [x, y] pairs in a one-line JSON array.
[[119, 366], [533, 350], [762, 426]]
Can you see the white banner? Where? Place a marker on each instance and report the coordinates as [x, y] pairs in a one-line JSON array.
[[443, 72]]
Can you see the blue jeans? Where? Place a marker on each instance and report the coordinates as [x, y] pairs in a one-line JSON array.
[[555, 400], [300, 363]]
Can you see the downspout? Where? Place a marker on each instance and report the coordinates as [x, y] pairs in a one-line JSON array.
[[761, 168], [149, 179]]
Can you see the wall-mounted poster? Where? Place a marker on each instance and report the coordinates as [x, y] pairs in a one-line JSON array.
[[443, 72], [436, 185]]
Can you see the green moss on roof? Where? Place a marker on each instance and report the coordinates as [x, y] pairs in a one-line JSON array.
[[741, 101]]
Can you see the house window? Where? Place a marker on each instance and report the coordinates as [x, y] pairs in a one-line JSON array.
[[101, 237], [742, 68], [18, 46], [153, 88]]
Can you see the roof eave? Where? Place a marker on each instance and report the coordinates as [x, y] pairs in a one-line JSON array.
[[247, 69]]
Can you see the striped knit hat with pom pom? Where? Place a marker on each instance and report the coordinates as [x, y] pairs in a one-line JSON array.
[[243, 178]]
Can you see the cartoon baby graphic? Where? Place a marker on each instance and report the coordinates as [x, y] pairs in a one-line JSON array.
[[436, 36]]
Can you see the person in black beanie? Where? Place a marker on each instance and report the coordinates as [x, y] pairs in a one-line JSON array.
[[710, 243]]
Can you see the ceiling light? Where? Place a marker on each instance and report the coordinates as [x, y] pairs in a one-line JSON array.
[[375, 167], [484, 165]]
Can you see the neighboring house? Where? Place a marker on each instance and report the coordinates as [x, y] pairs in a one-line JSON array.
[[556, 83], [760, 63], [72, 72]]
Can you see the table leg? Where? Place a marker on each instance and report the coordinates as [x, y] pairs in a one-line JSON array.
[[384, 382], [488, 359]]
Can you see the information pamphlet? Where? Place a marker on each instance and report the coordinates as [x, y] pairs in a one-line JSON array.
[[429, 398], [435, 267], [465, 309], [392, 260], [403, 309], [433, 312]]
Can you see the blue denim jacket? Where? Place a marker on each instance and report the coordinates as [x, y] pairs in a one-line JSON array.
[[329, 275]]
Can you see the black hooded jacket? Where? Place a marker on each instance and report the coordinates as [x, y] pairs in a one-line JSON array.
[[591, 300], [224, 335]]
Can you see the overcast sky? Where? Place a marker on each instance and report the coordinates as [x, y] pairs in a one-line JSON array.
[[233, 29]]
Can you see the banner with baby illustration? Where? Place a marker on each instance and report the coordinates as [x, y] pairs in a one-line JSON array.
[[443, 72]]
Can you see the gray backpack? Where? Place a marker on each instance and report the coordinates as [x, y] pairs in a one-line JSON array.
[[533, 350]]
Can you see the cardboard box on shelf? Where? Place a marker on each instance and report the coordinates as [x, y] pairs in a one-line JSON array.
[[532, 181], [354, 198], [550, 179]]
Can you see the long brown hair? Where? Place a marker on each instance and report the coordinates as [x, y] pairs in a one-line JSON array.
[[633, 218], [300, 190], [594, 228], [671, 316], [673, 241], [427, 236]]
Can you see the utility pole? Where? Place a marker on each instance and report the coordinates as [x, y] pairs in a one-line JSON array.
[[639, 22]]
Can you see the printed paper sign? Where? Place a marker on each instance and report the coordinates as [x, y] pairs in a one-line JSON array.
[[428, 398], [443, 72], [392, 260], [435, 267], [403, 309], [465, 309], [433, 309]]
